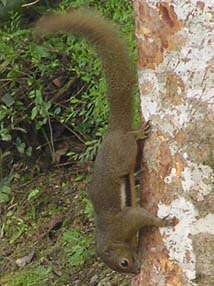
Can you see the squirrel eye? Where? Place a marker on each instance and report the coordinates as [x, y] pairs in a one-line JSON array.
[[124, 263]]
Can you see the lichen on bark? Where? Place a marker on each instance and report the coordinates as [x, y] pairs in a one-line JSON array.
[[176, 85]]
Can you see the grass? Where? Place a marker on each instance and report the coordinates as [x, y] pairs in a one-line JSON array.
[[53, 114], [54, 84], [57, 224]]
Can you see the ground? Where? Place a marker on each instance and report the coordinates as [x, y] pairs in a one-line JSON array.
[[50, 92], [47, 234]]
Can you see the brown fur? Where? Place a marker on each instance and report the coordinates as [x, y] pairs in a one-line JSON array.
[[116, 225]]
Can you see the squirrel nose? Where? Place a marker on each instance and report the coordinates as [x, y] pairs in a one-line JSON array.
[[137, 269], [138, 266]]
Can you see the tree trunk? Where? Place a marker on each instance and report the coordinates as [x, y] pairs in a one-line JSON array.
[[177, 95]]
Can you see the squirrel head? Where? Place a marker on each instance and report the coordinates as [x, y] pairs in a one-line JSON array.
[[120, 257]]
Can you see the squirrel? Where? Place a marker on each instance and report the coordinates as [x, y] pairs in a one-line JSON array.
[[117, 223]]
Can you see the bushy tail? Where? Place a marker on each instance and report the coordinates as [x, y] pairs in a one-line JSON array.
[[118, 69]]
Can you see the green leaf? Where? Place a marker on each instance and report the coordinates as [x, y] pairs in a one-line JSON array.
[[5, 136], [4, 198], [4, 2], [34, 112], [33, 194], [21, 148], [5, 189], [20, 145], [29, 151], [8, 99], [57, 110]]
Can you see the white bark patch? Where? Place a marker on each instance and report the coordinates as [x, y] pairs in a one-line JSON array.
[[183, 9], [150, 105], [204, 225], [179, 117], [197, 177], [177, 240], [192, 63], [196, 93]]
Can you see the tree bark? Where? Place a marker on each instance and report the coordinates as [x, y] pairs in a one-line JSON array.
[[177, 95]]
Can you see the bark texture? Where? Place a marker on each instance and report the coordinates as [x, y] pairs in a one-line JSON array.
[[175, 42]]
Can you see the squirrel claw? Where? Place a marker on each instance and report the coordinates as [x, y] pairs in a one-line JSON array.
[[143, 132], [170, 221]]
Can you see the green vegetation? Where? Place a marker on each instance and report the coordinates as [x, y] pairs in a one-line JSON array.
[[32, 277], [55, 84], [77, 247], [53, 113], [52, 217]]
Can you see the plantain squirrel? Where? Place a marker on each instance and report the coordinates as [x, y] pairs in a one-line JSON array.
[[116, 223]]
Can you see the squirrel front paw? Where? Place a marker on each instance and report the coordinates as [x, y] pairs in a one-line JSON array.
[[143, 132], [169, 221]]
